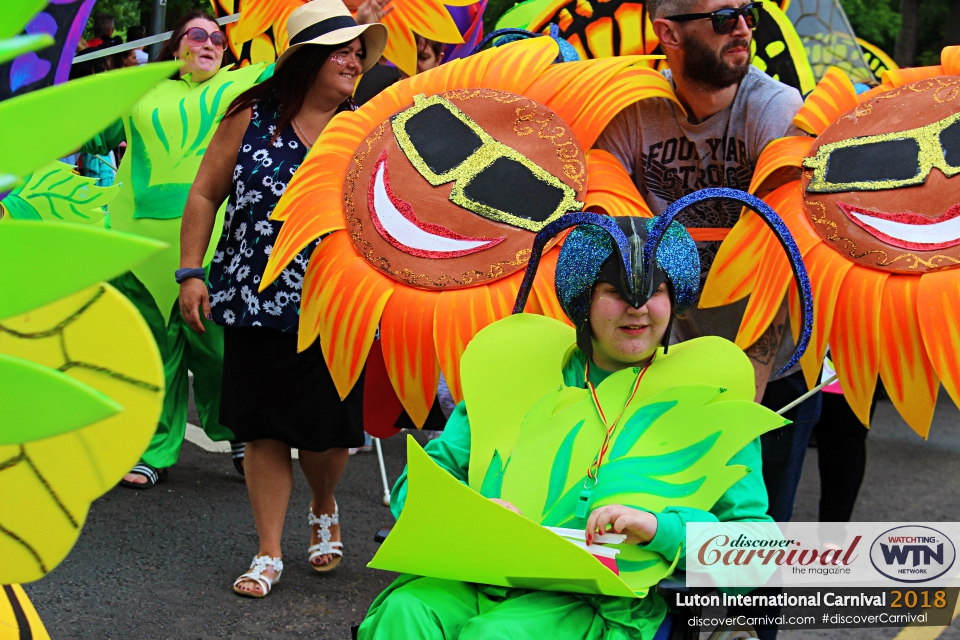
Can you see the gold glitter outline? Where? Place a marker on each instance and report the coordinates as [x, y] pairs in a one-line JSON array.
[[464, 173], [405, 275], [931, 155]]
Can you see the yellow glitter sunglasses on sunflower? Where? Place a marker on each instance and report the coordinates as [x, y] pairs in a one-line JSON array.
[[491, 179], [887, 160]]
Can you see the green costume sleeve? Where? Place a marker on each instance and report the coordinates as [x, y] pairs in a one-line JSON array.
[[106, 141], [451, 451], [746, 501]]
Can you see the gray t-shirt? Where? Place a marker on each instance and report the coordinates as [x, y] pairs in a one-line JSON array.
[[670, 157]]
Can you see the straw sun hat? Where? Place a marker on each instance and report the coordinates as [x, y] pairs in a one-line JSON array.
[[328, 22]]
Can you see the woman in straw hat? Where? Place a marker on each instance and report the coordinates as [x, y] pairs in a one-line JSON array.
[[273, 397]]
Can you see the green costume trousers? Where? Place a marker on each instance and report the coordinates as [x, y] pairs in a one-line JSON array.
[[181, 349], [435, 609]]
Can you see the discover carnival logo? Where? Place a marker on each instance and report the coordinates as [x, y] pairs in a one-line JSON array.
[[912, 554]]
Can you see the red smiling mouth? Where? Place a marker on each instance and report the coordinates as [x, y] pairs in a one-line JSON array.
[[908, 230], [396, 221]]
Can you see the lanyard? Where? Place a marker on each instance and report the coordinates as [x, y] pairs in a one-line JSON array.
[[583, 504]]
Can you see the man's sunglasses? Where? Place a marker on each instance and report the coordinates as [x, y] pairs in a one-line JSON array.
[[725, 20], [199, 35]]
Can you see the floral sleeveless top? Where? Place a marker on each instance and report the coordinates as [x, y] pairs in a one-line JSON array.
[[264, 167]]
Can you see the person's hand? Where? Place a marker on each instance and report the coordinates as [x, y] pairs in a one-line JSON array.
[[193, 298], [506, 505], [639, 526], [372, 11]]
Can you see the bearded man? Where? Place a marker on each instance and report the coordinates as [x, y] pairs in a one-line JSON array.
[[731, 111]]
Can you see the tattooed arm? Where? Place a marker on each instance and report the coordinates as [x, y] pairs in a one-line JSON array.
[[763, 352]]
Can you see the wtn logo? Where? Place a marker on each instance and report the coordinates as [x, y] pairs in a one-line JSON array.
[[900, 554], [912, 554]]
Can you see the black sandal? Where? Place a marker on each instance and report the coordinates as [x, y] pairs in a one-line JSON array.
[[154, 476], [236, 452]]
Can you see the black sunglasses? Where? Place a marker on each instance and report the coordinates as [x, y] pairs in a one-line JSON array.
[[725, 20]]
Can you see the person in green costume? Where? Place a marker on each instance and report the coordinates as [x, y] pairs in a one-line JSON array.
[[622, 307], [167, 133]]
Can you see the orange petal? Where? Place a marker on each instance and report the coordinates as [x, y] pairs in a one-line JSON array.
[[326, 262], [855, 337], [783, 152], [900, 77], [950, 60], [938, 307], [503, 294], [406, 335], [610, 189], [428, 18], [588, 94], [905, 369], [345, 308], [460, 315], [826, 269], [519, 64], [770, 286], [833, 97]]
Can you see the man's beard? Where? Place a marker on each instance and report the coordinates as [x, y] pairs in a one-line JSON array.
[[703, 66]]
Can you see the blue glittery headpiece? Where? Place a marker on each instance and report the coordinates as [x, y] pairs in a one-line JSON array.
[[501, 37], [598, 240]]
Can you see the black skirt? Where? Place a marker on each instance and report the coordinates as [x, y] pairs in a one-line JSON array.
[[272, 392]]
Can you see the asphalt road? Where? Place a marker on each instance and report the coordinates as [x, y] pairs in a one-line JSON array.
[[160, 563]]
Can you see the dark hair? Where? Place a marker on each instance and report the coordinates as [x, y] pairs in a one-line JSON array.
[[289, 85], [102, 24], [424, 43], [135, 33], [170, 47]]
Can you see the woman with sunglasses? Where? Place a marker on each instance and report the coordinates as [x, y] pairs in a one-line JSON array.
[[198, 42], [166, 133], [274, 398]]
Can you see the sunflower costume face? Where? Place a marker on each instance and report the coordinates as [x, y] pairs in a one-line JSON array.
[[444, 180], [875, 215]]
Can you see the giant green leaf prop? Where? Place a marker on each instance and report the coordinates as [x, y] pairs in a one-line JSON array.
[[82, 378], [28, 413], [167, 133], [42, 262], [14, 16], [56, 193], [488, 544], [41, 128], [533, 438]]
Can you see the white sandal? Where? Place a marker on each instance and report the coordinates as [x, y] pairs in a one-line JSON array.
[[260, 564], [325, 547]]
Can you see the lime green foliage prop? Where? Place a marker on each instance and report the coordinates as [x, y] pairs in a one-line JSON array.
[[41, 128], [14, 16], [28, 413], [670, 450], [488, 545], [56, 193], [167, 133], [533, 438], [97, 337], [31, 277], [522, 14], [10, 49], [81, 380]]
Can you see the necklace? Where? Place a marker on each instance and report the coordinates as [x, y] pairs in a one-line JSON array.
[[584, 502], [300, 132]]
